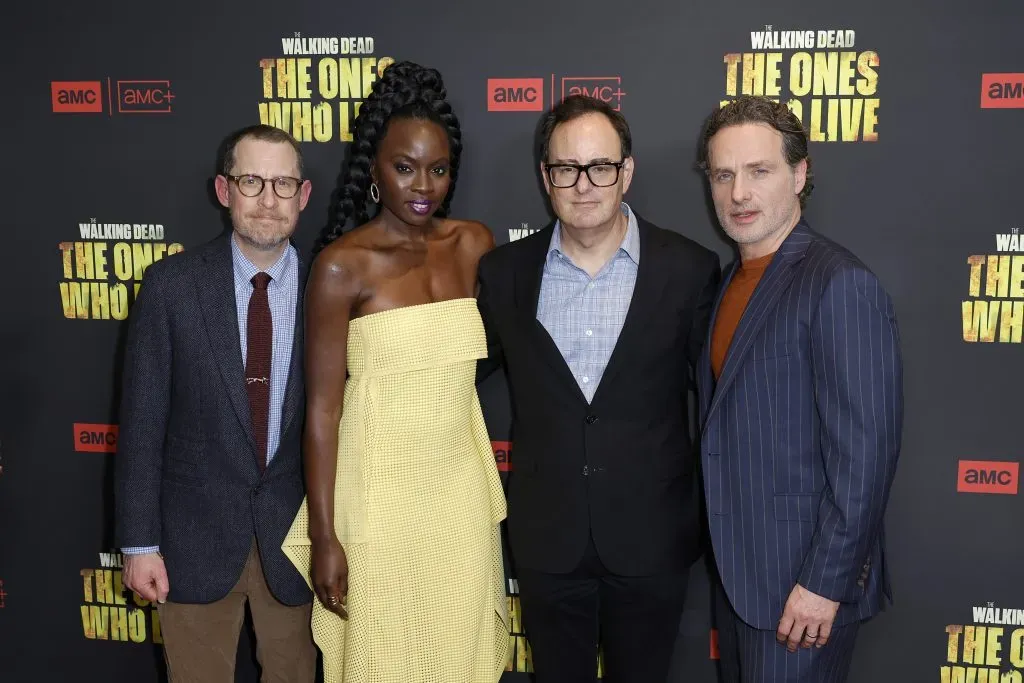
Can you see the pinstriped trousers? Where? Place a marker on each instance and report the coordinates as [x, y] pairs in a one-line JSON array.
[[751, 655]]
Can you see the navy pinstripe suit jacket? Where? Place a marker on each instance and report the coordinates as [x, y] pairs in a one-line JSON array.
[[801, 435]]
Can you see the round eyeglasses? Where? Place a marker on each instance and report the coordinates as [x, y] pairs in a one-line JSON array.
[[251, 185]]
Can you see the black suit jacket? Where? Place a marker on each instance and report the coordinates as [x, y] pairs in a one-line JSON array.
[[186, 473], [623, 467]]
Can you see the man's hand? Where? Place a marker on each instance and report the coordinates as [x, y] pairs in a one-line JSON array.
[[146, 575], [806, 620]]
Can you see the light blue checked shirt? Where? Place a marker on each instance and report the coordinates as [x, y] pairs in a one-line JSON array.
[[282, 293], [584, 315]]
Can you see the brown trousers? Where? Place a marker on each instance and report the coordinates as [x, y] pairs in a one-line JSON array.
[[201, 641]]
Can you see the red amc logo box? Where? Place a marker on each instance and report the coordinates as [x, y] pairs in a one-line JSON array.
[[502, 455], [984, 476], [76, 97], [95, 438], [1002, 91], [515, 94]]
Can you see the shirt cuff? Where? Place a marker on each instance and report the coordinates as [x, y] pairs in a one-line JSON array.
[[140, 550]]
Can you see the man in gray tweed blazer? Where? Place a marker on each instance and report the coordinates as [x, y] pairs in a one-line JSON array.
[[208, 467]]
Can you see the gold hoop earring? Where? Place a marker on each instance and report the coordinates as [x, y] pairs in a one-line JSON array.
[[374, 193]]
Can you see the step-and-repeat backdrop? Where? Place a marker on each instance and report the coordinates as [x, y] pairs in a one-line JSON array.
[[113, 114]]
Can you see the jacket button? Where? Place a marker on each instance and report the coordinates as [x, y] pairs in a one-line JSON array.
[[586, 471], [591, 419]]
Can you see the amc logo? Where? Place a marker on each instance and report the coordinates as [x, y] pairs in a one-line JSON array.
[[76, 97], [1002, 91], [95, 438], [515, 94], [982, 476], [144, 97], [608, 89], [502, 455]]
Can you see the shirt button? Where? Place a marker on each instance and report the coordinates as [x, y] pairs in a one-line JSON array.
[[590, 333], [590, 285], [586, 379]]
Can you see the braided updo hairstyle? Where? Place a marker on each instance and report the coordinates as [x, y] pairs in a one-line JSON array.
[[405, 90]]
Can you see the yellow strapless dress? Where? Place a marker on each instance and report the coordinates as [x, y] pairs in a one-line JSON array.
[[418, 502]]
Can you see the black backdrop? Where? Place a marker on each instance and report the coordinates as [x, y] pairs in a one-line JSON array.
[[112, 116]]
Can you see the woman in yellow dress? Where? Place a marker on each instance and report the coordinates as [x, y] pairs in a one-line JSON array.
[[399, 533]]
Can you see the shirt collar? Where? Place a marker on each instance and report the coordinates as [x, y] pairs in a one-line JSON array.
[[245, 269], [630, 243]]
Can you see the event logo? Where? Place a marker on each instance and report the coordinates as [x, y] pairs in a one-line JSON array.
[[133, 97], [103, 272], [76, 97], [3, 595], [527, 94], [522, 231], [985, 476], [608, 89], [144, 97], [829, 85], [502, 455], [95, 438], [995, 654], [318, 99], [107, 613], [714, 652], [515, 94], [1002, 91], [999, 312], [520, 659], [520, 656]]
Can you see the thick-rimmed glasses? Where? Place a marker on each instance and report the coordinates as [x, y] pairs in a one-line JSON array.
[[600, 173], [250, 185]]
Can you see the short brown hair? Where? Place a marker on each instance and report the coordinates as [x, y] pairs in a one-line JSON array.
[[755, 109], [575, 106], [256, 132]]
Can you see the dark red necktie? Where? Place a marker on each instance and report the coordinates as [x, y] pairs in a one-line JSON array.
[[259, 341]]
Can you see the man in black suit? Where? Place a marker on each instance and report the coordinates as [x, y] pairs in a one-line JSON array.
[[208, 472], [599, 320]]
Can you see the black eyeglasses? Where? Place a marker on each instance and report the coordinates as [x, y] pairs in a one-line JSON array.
[[600, 173], [252, 185]]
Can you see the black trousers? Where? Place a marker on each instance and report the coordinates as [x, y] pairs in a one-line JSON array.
[[635, 620]]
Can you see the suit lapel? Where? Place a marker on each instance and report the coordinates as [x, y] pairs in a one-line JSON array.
[[216, 286], [646, 299], [706, 385], [292, 392], [771, 287], [528, 281]]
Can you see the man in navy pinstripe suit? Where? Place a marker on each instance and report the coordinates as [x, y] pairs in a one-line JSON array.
[[802, 411]]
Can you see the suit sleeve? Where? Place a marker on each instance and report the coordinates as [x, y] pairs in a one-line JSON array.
[[858, 391], [145, 404], [711, 279], [495, 354]]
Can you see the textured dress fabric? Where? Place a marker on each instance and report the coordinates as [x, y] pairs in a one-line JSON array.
[[418, 503]]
